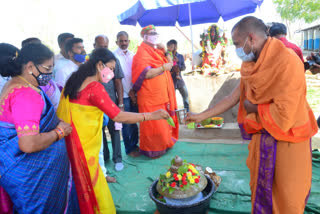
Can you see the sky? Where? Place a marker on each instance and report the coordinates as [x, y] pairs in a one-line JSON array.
[[46, 19]]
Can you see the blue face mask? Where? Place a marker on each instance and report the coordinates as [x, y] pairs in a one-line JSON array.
[[243, 56], [79, 57]]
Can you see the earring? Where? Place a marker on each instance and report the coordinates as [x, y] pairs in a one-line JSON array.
[[30, 72]]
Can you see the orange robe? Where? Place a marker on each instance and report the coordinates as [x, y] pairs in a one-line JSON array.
[[279, 152], [156, 137]]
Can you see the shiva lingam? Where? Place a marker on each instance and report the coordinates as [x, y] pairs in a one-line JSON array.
[[184, 188], [181, 181]]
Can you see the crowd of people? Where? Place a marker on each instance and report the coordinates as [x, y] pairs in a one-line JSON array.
[[55, 108], [54, 113]]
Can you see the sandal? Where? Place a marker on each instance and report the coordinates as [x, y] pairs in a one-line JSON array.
[[111, 179]]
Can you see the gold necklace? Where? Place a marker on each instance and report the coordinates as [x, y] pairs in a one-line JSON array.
[[29, 84]]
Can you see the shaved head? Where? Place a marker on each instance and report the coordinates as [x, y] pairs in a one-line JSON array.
[[101, 41], [250, 24], [250, 34]]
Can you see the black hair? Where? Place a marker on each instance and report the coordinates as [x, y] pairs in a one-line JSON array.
[[85, 70], [122, 33], [63, 37], [172, 42], [250, 24], [69, 44], [29, 41], [277, 29], [12, 60]]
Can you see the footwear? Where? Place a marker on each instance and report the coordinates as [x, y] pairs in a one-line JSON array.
[[111, 179], [119, 166], [134, 154]]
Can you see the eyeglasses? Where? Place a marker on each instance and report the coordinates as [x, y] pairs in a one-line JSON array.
[[48, 68], [152, 33]]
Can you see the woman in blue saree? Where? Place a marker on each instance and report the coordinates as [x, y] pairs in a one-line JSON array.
[[34, 165]]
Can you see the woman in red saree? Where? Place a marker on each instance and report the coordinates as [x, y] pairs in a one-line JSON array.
[[83, 103], [154, 86]]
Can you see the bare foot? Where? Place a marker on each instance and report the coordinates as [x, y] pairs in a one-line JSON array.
[[156, 157], [134, 154], [111, 179]]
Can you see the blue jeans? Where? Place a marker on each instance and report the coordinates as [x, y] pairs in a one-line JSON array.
[[184, 93], [130, 131]]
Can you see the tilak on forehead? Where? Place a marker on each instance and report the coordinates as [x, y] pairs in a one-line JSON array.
[[146, 29]]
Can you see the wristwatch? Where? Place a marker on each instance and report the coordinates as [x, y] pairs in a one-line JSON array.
[[120, 105]]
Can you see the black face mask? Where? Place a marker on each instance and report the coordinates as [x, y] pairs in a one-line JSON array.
[[43, 78]]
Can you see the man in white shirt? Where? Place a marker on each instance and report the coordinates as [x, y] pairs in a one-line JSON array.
[[129, 131], [61, 58], [62, 40], [76, 56]]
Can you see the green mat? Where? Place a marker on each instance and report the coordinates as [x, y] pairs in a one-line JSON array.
[[130, 194]]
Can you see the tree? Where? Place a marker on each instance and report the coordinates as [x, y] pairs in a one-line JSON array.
[[293, 10], [297, 11]]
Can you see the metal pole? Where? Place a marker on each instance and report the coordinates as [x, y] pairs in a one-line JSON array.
[[190, 19]]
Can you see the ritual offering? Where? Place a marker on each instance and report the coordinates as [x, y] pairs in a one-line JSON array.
[[170, 122], [183, 188], [214, 122]]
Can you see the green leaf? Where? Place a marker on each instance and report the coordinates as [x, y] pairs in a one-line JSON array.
[[183, 169], [171, 123], [162, 200], [171, 190], [172, 161], [170, 179], [164, 188], [162, 177]]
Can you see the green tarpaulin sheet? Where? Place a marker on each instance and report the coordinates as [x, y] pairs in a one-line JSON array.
[[130, 193]]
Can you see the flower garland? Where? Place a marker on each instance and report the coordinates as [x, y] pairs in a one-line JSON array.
[[212, 36]]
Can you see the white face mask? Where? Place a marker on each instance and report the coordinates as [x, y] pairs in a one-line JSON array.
[[243, 56], [153, 39]]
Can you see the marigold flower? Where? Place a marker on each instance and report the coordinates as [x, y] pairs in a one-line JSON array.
[[168, 174], [179, 177]]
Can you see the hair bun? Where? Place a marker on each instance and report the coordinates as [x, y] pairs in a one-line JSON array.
[[8, 57]]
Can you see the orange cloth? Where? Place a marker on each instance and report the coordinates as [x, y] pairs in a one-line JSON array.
[[292, 177], [155, 93], [276, 82]]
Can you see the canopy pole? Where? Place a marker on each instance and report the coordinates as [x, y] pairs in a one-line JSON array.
[[190, 21]]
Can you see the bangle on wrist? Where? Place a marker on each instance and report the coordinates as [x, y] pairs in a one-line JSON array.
[[59, 132], [144, 117], [120, 105], [162, 68]]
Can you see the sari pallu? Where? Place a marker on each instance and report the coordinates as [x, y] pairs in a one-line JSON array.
[[36, 182], [83, 146], [156, 137]]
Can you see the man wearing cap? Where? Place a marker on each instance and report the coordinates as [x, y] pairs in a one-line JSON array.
[[153, 84]]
